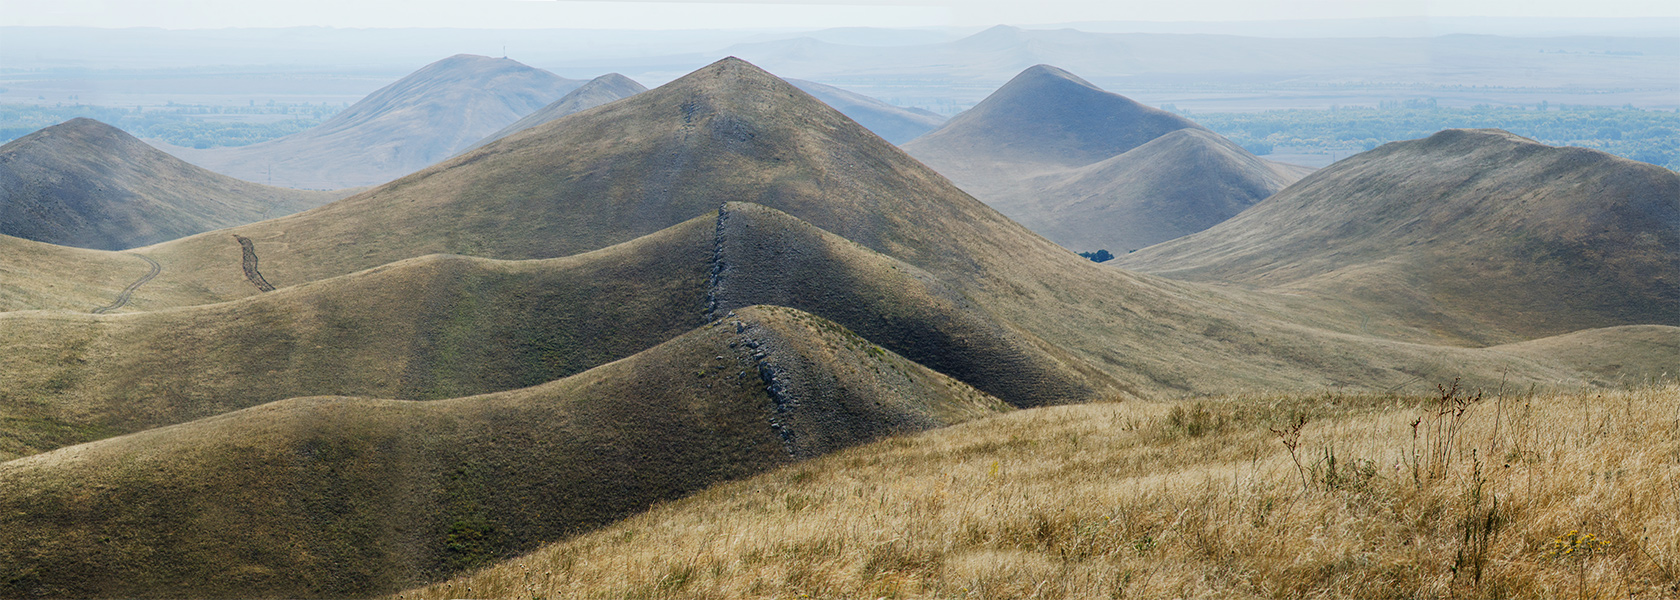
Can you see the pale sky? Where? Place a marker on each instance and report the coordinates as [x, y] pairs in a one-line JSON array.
[[754, 14]]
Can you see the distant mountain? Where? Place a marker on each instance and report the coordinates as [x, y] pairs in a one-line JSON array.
[[86, 184], [596, 92], [1487, 236], [892, 123], [1091, 169], [425, 117], [1044, 118], [1172, 186]]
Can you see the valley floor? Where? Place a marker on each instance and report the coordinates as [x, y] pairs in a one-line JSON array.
[[1573, 495]]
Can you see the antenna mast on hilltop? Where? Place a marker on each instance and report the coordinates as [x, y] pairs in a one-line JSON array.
[[504, 50]]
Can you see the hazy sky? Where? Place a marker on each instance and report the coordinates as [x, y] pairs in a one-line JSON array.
[[686, 14]]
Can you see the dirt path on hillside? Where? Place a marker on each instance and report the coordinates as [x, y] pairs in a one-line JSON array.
[[122, 298]]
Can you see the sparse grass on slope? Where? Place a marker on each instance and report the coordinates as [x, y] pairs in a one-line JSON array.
[[348, 497], [427, 328], [445, 326], [1484, 236], [1197, 499], [38, 276]]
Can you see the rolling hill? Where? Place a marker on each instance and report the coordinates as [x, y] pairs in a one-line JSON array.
[[420, 119], [1157, 500], [892, 123], [444, 326], [1172, 186], [1044, 119], [1091, 169], [1485, 236], [347, 497], [609, 310], [86, 184], [732, 132], [595, 92]]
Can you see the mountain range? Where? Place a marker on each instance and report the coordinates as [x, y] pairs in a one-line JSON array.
[[1091, 169], [617, 308]]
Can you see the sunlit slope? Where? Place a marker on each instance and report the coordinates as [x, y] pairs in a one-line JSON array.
[[86, 184], [597, 91], [1487, 236], [38, 276], [445, 326], [344, 497], [426, 328], [420, 119], [728, 132], [1172, 500]]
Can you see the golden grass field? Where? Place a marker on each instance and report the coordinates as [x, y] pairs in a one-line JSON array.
[[1191, 499]]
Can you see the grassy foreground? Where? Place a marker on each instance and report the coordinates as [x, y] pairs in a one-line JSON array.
[[1516, 495]]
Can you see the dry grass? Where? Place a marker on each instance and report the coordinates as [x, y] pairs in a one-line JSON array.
[[1175, 500]]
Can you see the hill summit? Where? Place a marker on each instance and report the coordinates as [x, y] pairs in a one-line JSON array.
[[1490, 236], [1048, 117], [86, 184], [420, 119], [1091, 169], [596, 92]]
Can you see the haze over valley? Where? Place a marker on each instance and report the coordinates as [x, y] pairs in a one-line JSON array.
[[995, 311]]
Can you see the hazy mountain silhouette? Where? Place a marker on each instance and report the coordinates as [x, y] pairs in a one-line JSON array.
[[892, 123], [86, 184], [597, 91], [1091, 169], [420, 119]]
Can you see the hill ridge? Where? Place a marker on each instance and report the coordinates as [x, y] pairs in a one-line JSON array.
[[434, 488]]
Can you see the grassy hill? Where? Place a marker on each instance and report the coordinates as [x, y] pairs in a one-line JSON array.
[[445, 326], [346, 497], [1485, 236], [1191, 499], [561, 327], [86, 184], [1043, 119], [597, 91], [420, 119], [1091, 169], [1172, 186], [730, 132], [892, 123]]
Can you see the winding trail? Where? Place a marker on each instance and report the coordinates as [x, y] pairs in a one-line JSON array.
[[122, 298], [248, 262]]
